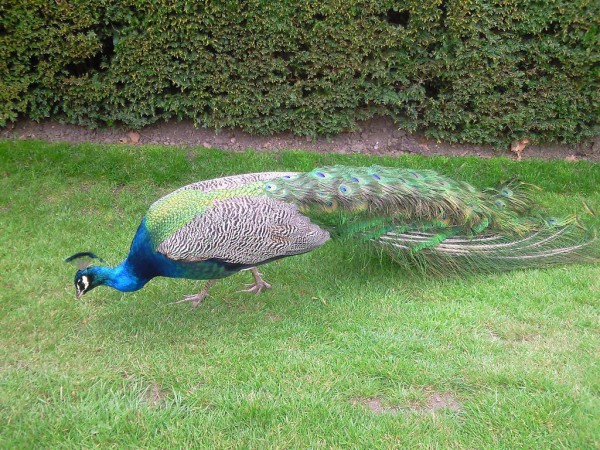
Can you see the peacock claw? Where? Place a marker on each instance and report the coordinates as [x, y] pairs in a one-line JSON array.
[[257, 288], [196, 299], [258, 285]]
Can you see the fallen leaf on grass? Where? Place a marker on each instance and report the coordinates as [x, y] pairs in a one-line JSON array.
[[518, 147], [134, 137]]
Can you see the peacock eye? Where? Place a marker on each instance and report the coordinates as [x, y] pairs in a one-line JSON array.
[[83, 283]]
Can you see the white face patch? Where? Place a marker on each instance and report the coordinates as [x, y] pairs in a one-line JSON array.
[[85, 281]]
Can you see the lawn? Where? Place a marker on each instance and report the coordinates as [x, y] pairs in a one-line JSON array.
[[346, 350]]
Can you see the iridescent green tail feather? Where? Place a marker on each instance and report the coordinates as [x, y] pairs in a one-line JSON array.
[[495, 252], [435, 220]]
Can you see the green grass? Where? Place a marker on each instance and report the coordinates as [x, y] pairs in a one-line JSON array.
[[513, 356]]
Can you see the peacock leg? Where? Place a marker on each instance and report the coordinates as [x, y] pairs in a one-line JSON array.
[[197, 298], [259, 283]]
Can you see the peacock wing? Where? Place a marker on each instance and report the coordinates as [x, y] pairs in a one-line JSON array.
[[233, 181], [176, 209], [244, 230]]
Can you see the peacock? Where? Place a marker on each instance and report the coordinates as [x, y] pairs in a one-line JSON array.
[[212, 229]]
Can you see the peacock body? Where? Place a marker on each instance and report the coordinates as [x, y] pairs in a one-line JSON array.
[[215, 228]]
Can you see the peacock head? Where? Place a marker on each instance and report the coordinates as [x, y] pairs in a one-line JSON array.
[[88, 276], [86, 280]]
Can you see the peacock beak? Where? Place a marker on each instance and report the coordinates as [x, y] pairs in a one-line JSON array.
[[78, 294]]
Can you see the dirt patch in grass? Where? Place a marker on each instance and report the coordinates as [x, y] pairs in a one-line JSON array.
[[118, 188], [272, 317], [517, 333], [154, 396], [378, 136], [437, 401], [376, 405], [434, 402]]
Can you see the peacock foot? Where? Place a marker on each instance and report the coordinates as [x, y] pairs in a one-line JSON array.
[[197, 298], [258, 285], [257, 288]]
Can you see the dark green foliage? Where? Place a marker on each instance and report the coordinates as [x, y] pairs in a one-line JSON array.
[[464, 70]]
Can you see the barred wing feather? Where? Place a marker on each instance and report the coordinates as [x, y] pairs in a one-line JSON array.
[[246, 230]]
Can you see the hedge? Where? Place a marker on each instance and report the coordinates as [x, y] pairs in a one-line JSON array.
[[479, 71]]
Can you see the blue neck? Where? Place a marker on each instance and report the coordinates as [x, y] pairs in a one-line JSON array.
[[121, 277], [143, 263]]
